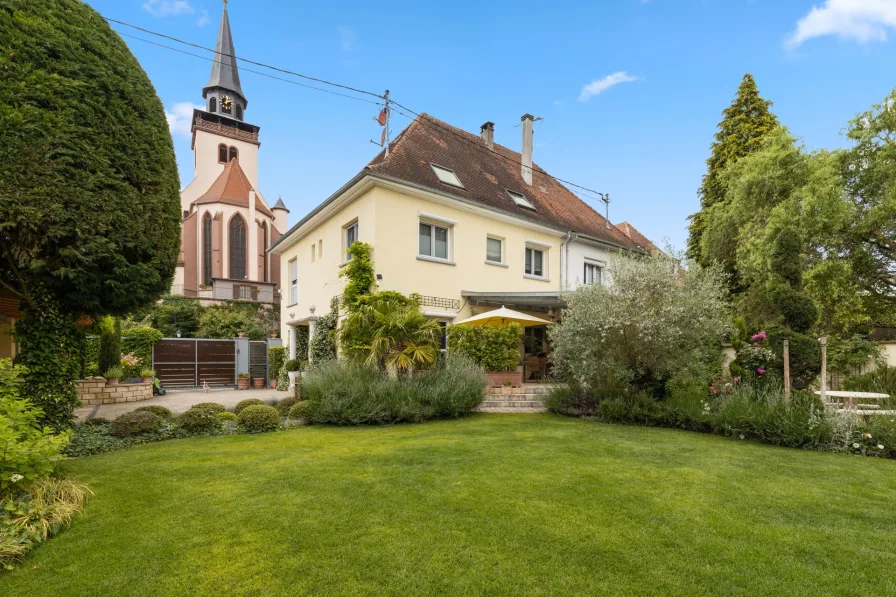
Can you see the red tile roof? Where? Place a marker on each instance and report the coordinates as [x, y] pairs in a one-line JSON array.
[[487, 175], [232, 187], [635, 234]]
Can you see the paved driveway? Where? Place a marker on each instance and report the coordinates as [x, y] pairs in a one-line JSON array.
[[179, 401]]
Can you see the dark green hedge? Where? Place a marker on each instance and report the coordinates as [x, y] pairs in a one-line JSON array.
[[89, 189]]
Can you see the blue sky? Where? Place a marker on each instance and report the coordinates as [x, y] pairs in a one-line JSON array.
[[630, 91]]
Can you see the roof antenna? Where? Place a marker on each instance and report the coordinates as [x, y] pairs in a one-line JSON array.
[[605, 197], [383, 120]]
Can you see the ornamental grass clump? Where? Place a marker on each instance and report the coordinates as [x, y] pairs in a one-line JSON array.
[[259, 418]]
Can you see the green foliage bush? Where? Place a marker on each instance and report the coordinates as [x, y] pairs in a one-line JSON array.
[[110, 343], [227, 416], [176, 314], [302, 411], [292, 365], [360, 274], [323, 346], [797, 309], [259, 418], [226, 321], [135, 422], [28, 449], [159, 411], [212, 406], [805, 356], [97, 421], [351, 393], [199, 420], [300, 337], [492, 348], [276, 358], [140, 340], [881, 380], [285, 405], [247, 403]]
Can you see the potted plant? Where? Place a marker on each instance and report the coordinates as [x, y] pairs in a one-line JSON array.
[[147, 373], [258, 383], [242, 381], [112, 375], [240, 335], [293, 370], [507, 387]]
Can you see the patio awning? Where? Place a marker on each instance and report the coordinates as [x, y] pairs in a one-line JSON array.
[[502, 316], [545, 302]]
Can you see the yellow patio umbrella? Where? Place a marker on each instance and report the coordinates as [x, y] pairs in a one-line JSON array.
[[504, 315]]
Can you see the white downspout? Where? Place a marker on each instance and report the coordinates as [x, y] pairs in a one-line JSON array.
[[564, 255]]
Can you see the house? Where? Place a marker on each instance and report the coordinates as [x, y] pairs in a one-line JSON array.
[[458, 219], [228, 225]]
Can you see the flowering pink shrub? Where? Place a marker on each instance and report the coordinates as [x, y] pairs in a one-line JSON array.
[[761, 371]]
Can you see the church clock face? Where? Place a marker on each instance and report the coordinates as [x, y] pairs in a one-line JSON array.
[[226, 103]]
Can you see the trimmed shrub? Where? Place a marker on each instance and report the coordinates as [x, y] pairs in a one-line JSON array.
[[292, 365], [302, 411], [110, 344], [351, 393], [97, 421], [276, 358], [247, 403], [159, 411], [200, 420], [492, 348], [227, 416], [135, 422], [259, 418], [285, 405], [212, 406]]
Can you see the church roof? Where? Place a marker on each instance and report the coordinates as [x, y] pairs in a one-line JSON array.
[[280, 204], [225, 73], [232, 187]]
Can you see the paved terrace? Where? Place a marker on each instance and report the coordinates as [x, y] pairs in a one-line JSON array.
[[178, 401]]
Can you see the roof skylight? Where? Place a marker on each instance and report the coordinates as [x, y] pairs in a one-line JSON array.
[[447, 176], [521, 200]]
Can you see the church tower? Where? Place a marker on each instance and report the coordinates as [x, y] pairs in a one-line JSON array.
[[228, 226]]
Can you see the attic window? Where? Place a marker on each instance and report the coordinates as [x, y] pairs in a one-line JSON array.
[[447, 176], [521, 200]]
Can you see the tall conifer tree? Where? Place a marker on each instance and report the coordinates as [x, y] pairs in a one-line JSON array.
[[744, 125]]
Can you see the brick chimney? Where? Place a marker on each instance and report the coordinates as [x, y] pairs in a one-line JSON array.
[[526, 153], [488, 134]]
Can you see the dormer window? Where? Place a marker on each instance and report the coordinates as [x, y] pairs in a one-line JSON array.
[[521, 200], [447, 176]]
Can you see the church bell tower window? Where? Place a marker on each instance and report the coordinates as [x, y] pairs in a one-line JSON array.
[[213, 104], [222, 154], [234, 154]]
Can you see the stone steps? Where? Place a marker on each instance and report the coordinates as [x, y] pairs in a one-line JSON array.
[[518, 402]]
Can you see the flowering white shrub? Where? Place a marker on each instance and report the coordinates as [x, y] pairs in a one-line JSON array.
[[657, 322]]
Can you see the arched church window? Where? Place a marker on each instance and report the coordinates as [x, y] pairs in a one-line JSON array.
[[234, 154], [237, 248], [239, 112], [222, 153], [213, 104], [207, 249]]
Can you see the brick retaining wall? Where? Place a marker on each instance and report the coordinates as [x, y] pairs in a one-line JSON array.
[[94, 390]]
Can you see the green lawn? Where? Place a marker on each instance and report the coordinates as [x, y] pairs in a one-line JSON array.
[[490, 505]]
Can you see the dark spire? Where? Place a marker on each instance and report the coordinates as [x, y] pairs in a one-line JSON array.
[[225, 74]]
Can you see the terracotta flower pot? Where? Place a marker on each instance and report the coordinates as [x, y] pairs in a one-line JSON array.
[[258, 383], [147, 380], [507, 389], [242, 383], [112, 382], [273, 384]]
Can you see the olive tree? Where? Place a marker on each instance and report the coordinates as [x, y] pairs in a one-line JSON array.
[[658, 322]]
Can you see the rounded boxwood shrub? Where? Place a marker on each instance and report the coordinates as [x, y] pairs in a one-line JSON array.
[[159, 411], [97, 421], [227, 416], [259, 417], [246, 403], [301, 411], [200, 420], [212, 406], [135, 422], [284, 406]]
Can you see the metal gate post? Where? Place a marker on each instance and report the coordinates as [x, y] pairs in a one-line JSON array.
[[196, 363]]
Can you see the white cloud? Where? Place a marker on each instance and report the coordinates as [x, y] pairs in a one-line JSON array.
[[180, 118], [600, 85], [347, 38], [862, 20], [203, 18], [164, 8]]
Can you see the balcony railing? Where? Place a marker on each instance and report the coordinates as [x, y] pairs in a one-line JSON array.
[[229, 292]]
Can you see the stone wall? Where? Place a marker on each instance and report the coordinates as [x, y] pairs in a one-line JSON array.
[[94, 390]]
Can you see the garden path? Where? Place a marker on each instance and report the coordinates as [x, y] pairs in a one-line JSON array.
[[178, 401]]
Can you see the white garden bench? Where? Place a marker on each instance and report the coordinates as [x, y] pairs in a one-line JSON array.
[[860, 403]]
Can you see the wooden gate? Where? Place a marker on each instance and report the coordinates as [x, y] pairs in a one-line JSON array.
[[258, 360], [189, 362]]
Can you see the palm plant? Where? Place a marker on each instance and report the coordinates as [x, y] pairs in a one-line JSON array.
[[391, 334]]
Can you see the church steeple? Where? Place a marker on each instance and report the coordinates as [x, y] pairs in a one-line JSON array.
[[223, 92]]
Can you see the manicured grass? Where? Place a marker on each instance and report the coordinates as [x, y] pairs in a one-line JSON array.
[[490, 505]]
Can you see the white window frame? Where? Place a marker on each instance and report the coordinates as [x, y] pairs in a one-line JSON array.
[[345, 244], [600, 272], [503, 261], [436, 168], [521, 200], [435, 222], [545, 256], [292, 270]]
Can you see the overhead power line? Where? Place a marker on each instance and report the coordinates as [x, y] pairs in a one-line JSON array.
[[426, 119]]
